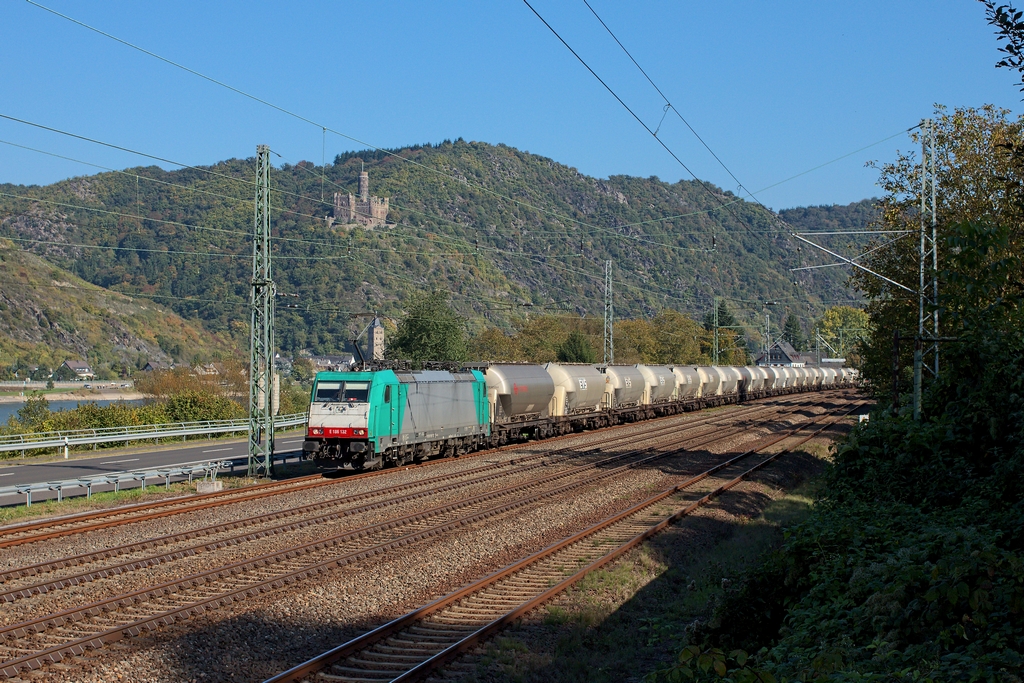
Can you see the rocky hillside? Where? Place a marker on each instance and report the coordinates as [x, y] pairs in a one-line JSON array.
[[48, 315]]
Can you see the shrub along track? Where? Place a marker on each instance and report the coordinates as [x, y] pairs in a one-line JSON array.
[[31, 532], [416, 644], [12, 588], [50, 638]]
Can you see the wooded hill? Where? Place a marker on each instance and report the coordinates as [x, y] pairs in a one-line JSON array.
[[48, 315], [509, 234]]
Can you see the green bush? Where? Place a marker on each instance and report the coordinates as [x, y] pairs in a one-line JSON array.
[[192, 406], [185, 406]]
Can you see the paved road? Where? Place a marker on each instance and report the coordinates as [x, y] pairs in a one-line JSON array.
[[59, 470]]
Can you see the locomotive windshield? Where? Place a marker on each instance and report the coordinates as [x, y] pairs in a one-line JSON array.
[[341, 392]]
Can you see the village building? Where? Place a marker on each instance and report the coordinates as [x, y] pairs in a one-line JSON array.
[[783, 354], [332, 363], [74, 370]]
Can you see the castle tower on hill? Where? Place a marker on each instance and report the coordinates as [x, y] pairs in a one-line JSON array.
[[366, 210]]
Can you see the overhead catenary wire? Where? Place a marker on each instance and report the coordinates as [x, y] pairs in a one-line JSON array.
[[661, 142], [668, 104], [341, 134], [543, 259], [461, 180], [354, 139], [615, 232]]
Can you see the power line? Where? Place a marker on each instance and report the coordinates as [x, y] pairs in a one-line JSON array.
[[668, 104], [542, 259], [97, 289], [130, 249], [614, 232], [611, 231], [118, 147], [323, 127], [190, 188], [671, 106], [638, 119], [117, 213]]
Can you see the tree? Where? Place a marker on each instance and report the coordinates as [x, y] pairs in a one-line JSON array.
[[793, 332], [844, 328], [541, 337], [494, 345], [576, 349], [35, 411], [303, 370], [64, 374], [431, 330], [980, 174], [679, 338], [636, 341], [725, 317]]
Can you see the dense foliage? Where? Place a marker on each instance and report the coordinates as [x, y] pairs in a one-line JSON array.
[[431, 331], [670, 337], [190, 405], [980, 174], [843, 329], [172, 396], [910, 566], [793, 333], [576, 349]]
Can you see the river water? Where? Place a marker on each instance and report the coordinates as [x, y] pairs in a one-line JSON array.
[[8, 409]]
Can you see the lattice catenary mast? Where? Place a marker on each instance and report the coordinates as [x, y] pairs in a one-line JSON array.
[[928, 292], [261, 330], [609, 315], [928, 271]]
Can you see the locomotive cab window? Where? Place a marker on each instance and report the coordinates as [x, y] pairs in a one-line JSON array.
[[387, 393], [327, 392], [344, 392], [355, 392]]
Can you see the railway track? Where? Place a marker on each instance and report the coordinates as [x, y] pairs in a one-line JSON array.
[[304, 516], [33, 532], [418, 643], [54, 636]]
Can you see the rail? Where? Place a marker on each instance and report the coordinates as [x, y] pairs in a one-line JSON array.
[[80, 437]]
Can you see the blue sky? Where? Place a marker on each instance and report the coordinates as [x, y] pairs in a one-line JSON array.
[[775, 88]]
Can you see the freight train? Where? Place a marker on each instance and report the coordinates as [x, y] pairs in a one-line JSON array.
[[373, 419]]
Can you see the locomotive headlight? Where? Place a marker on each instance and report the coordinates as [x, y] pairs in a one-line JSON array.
[[359, 432], [317, 431]]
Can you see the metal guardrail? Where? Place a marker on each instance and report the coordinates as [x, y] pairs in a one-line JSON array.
[[84, 485], [79, 437]]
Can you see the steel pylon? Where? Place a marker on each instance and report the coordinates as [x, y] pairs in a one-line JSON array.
[[261, 330], [609, 315]]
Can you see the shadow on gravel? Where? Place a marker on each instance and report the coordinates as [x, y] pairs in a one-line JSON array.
[[659, 590], [247, 647]]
